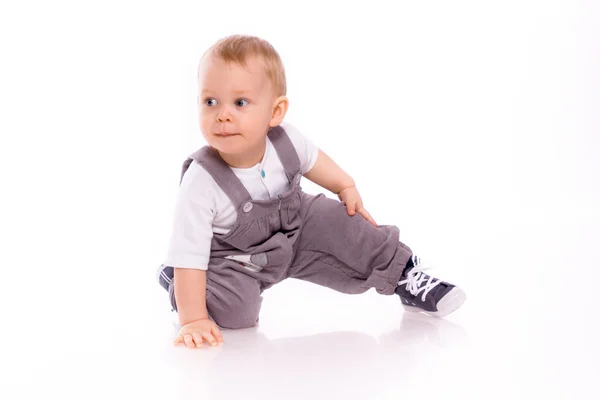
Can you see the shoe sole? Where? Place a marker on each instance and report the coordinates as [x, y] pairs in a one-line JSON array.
[[447, 305]]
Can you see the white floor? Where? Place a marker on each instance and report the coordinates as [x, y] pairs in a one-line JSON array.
[[473, 126], [528, 330]]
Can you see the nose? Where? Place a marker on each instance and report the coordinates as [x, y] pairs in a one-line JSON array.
[[224, 115]]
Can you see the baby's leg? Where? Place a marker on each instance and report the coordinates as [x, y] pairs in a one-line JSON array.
[[347, 253], [233, 299]]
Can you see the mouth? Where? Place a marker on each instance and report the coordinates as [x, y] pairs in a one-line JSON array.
[[226, 134]]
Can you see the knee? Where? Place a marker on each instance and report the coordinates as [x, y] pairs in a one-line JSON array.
[[235, 315]]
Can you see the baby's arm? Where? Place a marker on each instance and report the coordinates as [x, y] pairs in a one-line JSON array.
[[322, 170], [315, 164], [189, 249], [189, 253], [327, 174], [190, 294]]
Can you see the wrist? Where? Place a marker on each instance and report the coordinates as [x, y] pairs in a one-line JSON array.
[[345, 186], [184, 320]]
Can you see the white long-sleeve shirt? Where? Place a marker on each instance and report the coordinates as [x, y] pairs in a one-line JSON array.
[[202, 208]]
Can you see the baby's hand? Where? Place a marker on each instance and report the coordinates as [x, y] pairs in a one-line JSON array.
[[192, 334], [351, 198]]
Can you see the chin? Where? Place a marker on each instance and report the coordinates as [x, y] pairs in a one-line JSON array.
[[227, 148]]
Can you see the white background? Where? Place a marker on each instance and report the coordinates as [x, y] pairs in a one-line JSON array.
[[474, 126]]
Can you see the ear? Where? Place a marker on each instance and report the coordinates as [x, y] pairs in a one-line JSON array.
[[280, 107]]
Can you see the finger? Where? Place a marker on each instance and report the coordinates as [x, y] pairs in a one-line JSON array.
[[371, 220], [189, 341], [375, 224], [209, 338], [197, 339], [367, 216], [351, 206], [217, 333], [178, 340]]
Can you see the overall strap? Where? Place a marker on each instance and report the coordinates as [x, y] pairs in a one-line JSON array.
[[286, 151], [212, 162]]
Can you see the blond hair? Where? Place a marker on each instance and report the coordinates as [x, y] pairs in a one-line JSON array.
[[239, 48]]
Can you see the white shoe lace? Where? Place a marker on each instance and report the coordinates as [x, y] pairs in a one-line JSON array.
[[415, 278]]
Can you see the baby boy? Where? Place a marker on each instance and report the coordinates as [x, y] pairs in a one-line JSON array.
[[242, 222]]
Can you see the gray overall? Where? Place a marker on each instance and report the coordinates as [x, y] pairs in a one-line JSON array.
[[293, 235]]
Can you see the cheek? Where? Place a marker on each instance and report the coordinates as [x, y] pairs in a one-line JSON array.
[[258, 120], [206, 120], [254, 129]]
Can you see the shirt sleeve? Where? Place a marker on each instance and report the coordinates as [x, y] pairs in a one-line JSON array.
[[306, 149], [192, 233]]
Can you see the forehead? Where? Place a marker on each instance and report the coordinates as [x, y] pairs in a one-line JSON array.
[[215, 74]]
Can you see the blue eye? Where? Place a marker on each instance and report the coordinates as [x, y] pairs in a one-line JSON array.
[[210, 102], [240, 102]]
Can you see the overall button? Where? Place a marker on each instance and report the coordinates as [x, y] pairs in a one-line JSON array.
[[247, 207]]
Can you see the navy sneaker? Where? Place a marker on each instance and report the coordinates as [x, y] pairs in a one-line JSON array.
[[420, 292]]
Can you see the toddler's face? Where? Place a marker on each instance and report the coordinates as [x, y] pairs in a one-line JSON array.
[[235, 104]]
